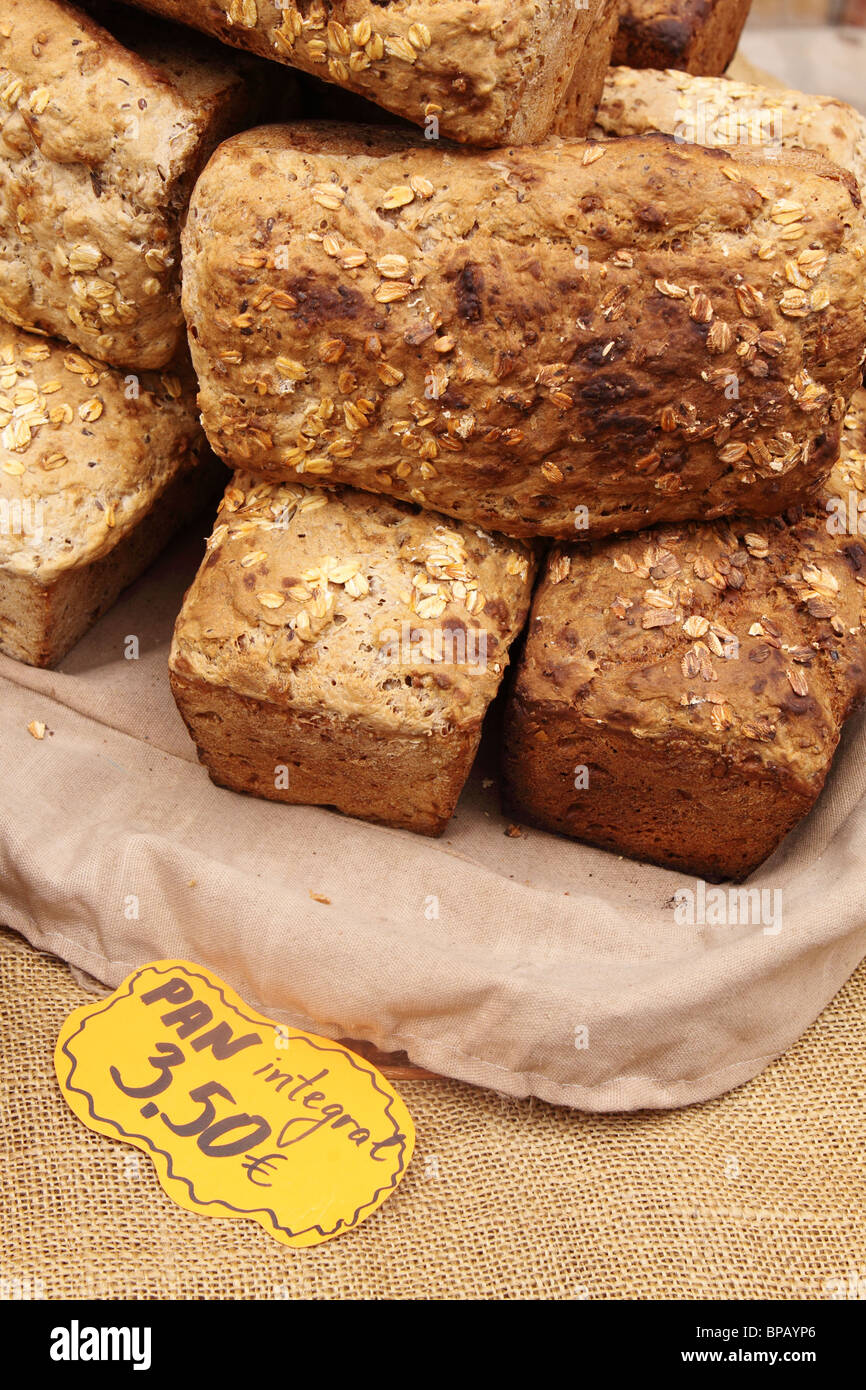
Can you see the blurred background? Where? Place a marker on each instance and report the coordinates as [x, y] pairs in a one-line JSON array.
[[815, 45]]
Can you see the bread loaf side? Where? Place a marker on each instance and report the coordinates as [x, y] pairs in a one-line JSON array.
[[576, 111], [698, 36]]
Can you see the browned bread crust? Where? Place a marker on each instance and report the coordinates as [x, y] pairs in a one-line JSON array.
[[97, 472], [351, 641], [698, 36], [489, 71], [700, 677], [574, 115], [99, 149], [630, 332]]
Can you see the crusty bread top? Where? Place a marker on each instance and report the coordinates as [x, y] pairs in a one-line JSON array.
[[98, 153], [84, 451], [342, 604], [748, 636], [717, 111], [85, 99], [489, 71], [503, 336]]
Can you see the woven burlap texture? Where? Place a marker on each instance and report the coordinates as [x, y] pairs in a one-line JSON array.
[[755, 1195], [528, 964]]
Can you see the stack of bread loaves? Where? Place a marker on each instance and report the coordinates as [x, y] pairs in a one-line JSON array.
[[340, 647], [572, 341], [102, 456], [431, 347]]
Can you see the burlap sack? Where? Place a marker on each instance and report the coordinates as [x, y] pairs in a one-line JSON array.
[[526, 964], [756, 1195]]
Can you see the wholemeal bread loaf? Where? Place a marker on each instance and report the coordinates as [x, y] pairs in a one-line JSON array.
[[340, 649], [697, 36], [99, 149], [97, 472], [633, 331], [482, 74], [719, 112], [682, 692]]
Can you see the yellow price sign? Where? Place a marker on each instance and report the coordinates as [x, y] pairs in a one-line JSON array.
[[243, 1117]]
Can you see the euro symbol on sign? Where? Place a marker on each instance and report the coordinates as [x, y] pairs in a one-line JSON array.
[[261, 1165]]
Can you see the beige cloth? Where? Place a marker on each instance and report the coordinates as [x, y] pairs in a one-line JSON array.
[[539, 944], [756, 1195]]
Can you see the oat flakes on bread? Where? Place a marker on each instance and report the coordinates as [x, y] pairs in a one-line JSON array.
[[719, 112], [682, 692], [341, 649], [486, 74], [94, 482], [99, 149], [634, 331]]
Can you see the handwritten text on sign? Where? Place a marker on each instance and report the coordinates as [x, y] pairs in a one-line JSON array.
[[242, 1116]]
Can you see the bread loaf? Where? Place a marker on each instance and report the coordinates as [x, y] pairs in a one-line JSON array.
[[340, 649], [323, 101], [697, 36], [97, 473], [682, 691], [481, 74], [633, 331], [99, 149], [718, 112]]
